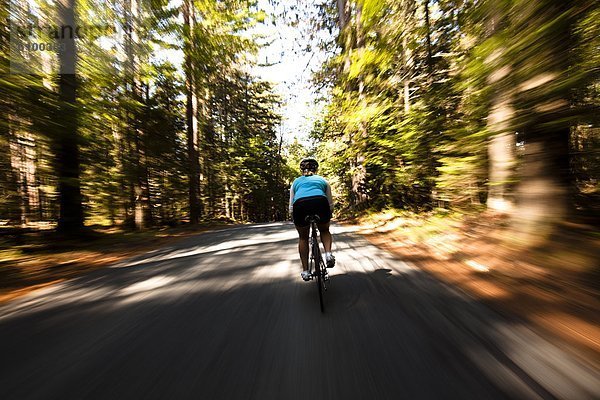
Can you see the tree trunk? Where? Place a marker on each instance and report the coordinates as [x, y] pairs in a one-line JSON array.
[[501, 146], [359, 174], [66, 140], [227, 199], [501, 154], [406, 96], [9, 187], [122, 200], [191, 112], [501, 157], [428, 37], [140, 189], [545, 187], [19, 167], [542, 200], [142, 216], [242, 209], [343, 14], [407, 10], [208, 150], [29, 148]]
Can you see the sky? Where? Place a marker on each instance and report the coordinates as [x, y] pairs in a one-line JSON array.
[[291, 72], [291, 68]]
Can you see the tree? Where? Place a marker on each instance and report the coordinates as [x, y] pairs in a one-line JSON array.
[[66, 140], [546, 80], [191, 111], [448, 103]]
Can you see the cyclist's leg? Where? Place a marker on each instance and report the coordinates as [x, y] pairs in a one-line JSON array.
[[324, 213], [325, 236], [303, 232]]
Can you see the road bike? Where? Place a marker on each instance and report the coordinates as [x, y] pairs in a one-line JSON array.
[[316, 266]]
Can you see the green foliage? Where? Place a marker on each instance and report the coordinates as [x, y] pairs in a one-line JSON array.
[[398, 150], [412, 85], [131, 118], [428, 147], [246, 153]]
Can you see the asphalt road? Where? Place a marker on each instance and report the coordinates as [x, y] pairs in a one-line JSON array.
[[225, 315]]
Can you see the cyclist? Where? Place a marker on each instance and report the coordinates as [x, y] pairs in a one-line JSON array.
[[310, 194]]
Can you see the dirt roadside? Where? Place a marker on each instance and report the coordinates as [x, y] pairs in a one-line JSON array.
[[554, 287], [38, 260]]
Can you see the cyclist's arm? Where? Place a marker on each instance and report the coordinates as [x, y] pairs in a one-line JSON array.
[[329, 197], [291, 204]]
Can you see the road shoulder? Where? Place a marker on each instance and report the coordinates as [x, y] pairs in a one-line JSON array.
[[39, 260], [558, 302]]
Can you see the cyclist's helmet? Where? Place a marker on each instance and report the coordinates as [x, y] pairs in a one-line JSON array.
[[309, 164]]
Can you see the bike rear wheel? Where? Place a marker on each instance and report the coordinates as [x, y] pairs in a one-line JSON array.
[[319, 272]]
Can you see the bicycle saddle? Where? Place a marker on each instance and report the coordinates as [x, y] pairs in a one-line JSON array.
[[312, 218]]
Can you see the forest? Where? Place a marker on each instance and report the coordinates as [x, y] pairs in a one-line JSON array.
[[427, 105], [147, 149], [465, 104], [107, 133]]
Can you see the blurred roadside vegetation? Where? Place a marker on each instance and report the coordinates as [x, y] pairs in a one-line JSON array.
[[469, 106], [571, 247], [155, 120]]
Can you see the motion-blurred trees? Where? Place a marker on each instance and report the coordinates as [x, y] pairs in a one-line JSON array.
[[65, 138], [127, 117], [463, 103], [432, 103]]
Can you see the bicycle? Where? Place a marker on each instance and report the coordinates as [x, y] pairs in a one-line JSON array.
[[316, 260]]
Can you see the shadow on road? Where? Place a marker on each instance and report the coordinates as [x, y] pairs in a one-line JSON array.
[[215, 321]]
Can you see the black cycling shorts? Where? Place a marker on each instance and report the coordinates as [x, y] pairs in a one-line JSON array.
[[305, 206]]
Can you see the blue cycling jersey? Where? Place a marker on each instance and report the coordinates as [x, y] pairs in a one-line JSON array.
[[308, 186]]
